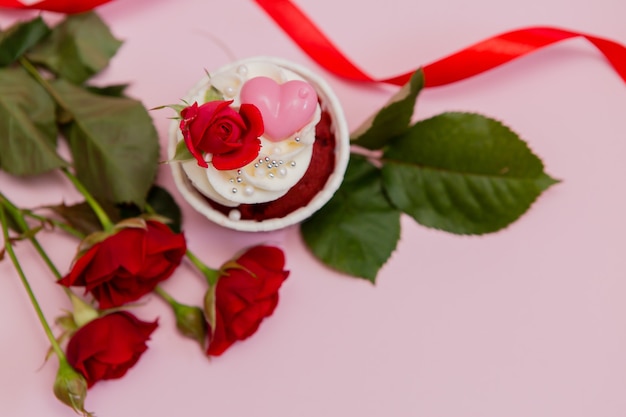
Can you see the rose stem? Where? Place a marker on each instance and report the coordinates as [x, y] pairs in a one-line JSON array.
[[18, 216], [9, 249], [63, 226], [106, 223], [24, 228], [210, 274], [21, 223], [173, 303], [164, 295], [30, 68]]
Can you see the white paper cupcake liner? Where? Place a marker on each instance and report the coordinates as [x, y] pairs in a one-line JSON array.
[[339, 127]]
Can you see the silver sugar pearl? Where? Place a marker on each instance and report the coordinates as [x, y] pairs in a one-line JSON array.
[[242, 70], [234, 215]]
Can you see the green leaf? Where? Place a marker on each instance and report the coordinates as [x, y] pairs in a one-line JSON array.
[[462, 173], [82, 218], [77, 48], [176, 107], [13, 220], [358, 229], [212, 94], [115, 90], [113, 142], [182, 153], [393, 119], [210, 312], [13, 223], [162, 203], [19, 38], [28, 131]]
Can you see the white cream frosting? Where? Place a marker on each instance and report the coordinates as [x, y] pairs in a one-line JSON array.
[[279, 165]]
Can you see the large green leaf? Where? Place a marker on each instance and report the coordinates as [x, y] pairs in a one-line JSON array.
[[463, 173], [358, 229], [393, 119], [28, 131], [19, 38], [81, 217], [115, 90], [114, 144], [162, 203], [77, 48]]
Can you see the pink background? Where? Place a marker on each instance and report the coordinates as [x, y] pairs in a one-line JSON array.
[[530, 321]]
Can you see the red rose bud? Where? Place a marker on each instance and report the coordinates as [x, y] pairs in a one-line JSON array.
[[216, 128], [70, 387], [190, 322], [127, 264], [107, 347], [246, 293]]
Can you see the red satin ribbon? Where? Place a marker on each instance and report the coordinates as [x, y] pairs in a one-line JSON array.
[[59, 6], [466, 63]]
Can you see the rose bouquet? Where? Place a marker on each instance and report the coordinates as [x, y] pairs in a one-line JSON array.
[[128, 229]]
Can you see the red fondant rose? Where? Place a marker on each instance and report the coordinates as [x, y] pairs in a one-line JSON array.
[[105, 348], [216, 128], [246, 293], [60, 6], [128, 264]]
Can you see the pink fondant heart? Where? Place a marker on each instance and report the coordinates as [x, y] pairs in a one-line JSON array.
[[286, 108]]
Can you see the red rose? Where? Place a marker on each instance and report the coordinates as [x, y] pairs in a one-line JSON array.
[[216, 128], [107, 347], [60, 6], [246, 293], [128, 264]]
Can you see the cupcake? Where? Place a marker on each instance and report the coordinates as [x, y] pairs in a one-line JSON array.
[[264, 144]]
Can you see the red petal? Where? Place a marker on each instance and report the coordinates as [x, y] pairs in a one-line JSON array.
[[108, 346], [219, 342], [160, 238], [60, 6], [239, 158], [253, 119], [196, 154], [75, 276], [270, 257], [207, 113]]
